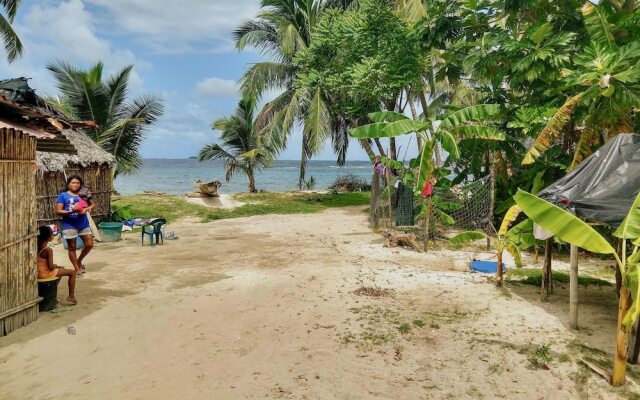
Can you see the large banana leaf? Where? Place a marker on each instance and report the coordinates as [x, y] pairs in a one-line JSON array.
[[444, 217], [370, 131], [513, 249], [630, 227], [477, 132], [426, 163], [403, 127], [522, 234], [631, 279], [563, 225], [448, 143], [472, 113], [386, 116], [388, 162], [467, 237], [508, 219]]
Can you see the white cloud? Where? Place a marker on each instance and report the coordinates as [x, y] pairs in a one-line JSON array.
[[217, 87], [63, 30], [170, 26]]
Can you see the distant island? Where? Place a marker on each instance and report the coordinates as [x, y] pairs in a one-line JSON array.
[[193, 158]]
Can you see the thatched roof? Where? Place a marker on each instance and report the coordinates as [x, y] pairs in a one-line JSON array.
[[89, 152]]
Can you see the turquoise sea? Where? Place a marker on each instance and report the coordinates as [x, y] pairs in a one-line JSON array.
[[177, 176]]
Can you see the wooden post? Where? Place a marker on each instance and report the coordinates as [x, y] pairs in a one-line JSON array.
[[546, 270], [573, 287], [389, 186], [492, 200], [374, 218]]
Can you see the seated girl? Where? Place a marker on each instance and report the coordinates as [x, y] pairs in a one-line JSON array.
[[47, 269]]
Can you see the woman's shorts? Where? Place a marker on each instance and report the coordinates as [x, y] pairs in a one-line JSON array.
[[74, 233]]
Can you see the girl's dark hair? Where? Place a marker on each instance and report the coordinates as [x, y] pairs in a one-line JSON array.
[[72, 178], [44, 233]]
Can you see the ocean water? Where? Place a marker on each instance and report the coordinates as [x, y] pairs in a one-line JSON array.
[[177, 176]]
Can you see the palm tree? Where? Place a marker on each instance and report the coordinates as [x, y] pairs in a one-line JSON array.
[[280, 31], [12, 43], [120, 123], [243, 148]]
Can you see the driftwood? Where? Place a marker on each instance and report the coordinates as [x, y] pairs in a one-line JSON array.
[[402, 240]]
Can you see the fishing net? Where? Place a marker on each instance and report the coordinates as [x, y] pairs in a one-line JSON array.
[[462, 207], [469, 205]]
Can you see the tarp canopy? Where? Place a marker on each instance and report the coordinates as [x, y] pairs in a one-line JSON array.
[[603, 187]]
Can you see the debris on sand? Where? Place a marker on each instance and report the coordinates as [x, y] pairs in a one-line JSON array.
[[373, 292]]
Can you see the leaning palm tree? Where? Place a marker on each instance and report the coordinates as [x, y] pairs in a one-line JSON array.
[[120, 123], [12, 43], [281, 30], [243, 148]]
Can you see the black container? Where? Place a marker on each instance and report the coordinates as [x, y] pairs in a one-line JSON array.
[[48, 290]]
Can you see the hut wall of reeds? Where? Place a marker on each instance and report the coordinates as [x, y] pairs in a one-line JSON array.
[[18, 242], [91, 163]]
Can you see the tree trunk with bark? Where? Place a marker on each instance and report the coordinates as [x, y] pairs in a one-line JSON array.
[[252, 180]]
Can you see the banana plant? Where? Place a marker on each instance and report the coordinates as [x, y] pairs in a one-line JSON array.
[[466, 123], [507, 239], [571, 229]]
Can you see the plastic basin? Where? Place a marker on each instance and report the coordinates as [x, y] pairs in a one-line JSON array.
[[110, 231], [79, 243], [488, 267]]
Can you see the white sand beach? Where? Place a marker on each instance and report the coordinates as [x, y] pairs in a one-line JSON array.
[[264, 307]]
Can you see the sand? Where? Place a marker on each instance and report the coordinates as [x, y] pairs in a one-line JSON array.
[[266, 307]]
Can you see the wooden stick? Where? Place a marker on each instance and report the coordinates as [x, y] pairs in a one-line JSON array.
[[573, 287], [96, 232], [546, 270]]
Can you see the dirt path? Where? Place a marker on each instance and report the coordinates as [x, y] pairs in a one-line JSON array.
[[264, 307]]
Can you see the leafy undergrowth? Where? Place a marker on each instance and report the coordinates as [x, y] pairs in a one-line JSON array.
[[533, 276], [173, 207]]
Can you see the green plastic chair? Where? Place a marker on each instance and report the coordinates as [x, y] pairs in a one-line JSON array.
[[154, 228]]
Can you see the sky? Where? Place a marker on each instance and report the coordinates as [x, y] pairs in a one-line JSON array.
[[182, 51]]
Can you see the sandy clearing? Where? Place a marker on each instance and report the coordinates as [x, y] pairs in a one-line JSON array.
[[263, 307]]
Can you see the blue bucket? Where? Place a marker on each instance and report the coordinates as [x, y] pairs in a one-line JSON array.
[[488, 267], [79, 243]]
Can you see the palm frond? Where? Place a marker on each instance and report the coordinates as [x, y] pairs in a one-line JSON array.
[[551, 131], [10, 39], [317, 123], [117, 85], [265, 75]]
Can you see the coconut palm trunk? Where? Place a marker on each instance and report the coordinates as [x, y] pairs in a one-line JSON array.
[[252, 180]]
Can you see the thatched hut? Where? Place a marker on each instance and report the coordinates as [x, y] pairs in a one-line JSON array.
[[24, 129], [91, 163]]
